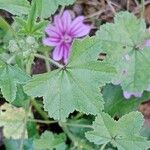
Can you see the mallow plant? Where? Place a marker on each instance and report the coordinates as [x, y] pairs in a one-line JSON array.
[[78, 100]]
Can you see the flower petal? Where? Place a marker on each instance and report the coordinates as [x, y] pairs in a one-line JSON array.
[[58, 23], [51, 41], [82, 31], [77, 23], [66, 20], [58, 53], [126, 94], [66, 52], [78, 28], [52, 31]]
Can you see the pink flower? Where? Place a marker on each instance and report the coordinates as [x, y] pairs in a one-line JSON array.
[[62, 33], [128, 95]]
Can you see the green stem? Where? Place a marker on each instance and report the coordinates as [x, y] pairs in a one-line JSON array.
[[69, 134], [39, 110], [103, 146], [42, 121], [28, 68], [50, 60], [46, 121], [47, 62], [78, 125]]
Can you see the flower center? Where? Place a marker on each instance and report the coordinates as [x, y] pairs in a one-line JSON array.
[[67, 39]]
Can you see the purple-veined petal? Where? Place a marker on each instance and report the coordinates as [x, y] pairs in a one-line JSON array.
[[76, 23], [51, 41], [52, 31], [58, 53], [58, 23], [66, 20], [66, 52], [128, 95], [82, 31]]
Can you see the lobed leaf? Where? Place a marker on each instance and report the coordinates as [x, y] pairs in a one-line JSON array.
[[74, 87], [123, 134], [126, 50], [16, 7], [50, 141], [10, 76], [48, 7]]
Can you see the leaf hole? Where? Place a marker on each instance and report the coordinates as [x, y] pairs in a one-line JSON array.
[[102, 56]]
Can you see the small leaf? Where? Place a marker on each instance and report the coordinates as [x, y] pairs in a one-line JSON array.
[[10, 76], [50, 141], [12, 120], [48, 7], [31, 17], [123, 134], [16, 7], [74, 87]]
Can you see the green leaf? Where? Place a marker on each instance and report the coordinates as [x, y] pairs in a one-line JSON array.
[[16, 7], [12, 119], [117, 105], [30, 25], [48, 7], [49, 141], [79, 133], [31, 17], [123, 134], [10, 76], [74, 87], [126, 50]]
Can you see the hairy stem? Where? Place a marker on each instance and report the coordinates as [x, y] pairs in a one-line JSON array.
[[69, 134], [39, 110], [79, 125], [47, 62], [42, 121], [103, 146], [50, 60]]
